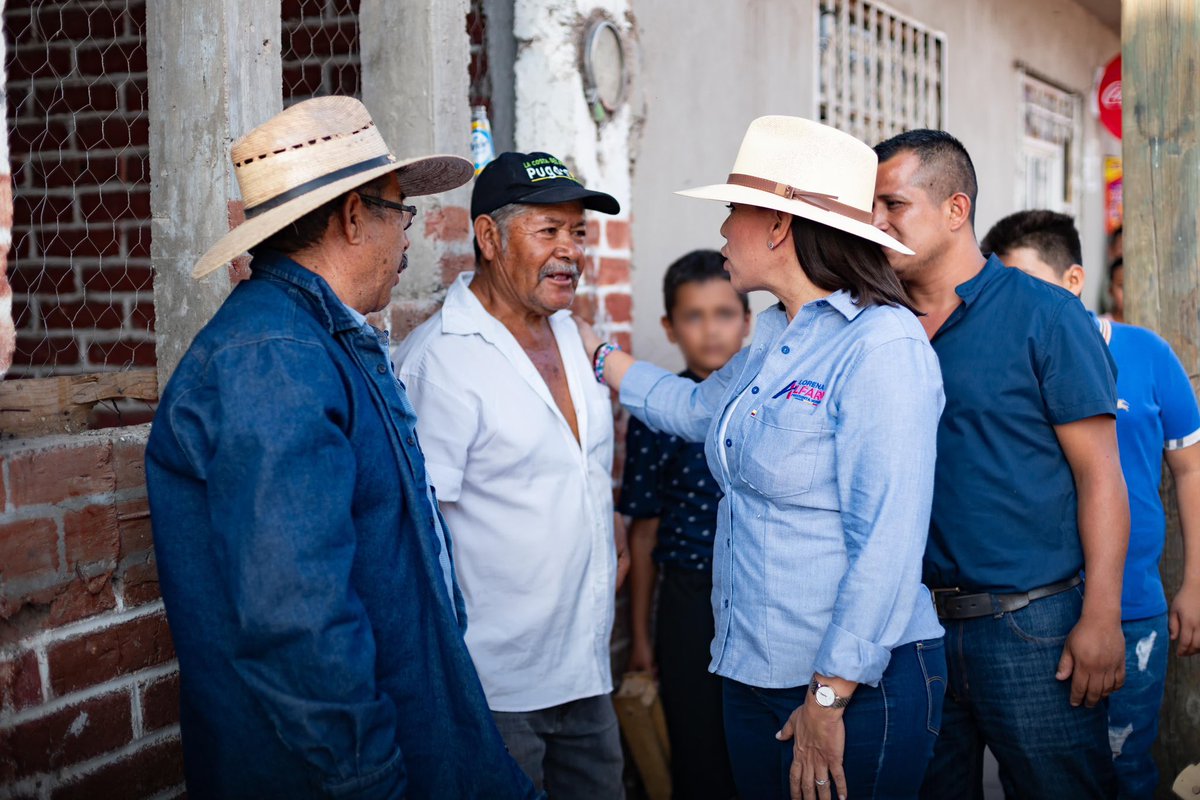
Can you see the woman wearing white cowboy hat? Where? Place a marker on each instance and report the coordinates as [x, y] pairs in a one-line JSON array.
[[822, 434]]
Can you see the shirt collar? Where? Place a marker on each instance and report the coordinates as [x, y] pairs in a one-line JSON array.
[[464, 315], [843, 302], [971, 289], [336, 314]]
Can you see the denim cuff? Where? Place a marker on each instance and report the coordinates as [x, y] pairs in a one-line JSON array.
[[385, 782], [844, 655]]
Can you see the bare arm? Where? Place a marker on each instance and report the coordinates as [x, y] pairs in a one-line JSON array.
[[643, 536], [1094, 655], [1184, 621]]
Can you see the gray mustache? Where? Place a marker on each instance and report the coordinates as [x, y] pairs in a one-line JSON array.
[[549, 270]]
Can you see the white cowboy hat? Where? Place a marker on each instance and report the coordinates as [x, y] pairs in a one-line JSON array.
[[807, 169], [309, 154]]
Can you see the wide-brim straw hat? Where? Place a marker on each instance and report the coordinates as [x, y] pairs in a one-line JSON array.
[[309, 154], [808, 169]]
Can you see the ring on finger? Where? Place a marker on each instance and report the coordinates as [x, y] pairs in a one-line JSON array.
[[822, 783]]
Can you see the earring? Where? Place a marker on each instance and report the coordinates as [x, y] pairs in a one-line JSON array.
[[770, 245]]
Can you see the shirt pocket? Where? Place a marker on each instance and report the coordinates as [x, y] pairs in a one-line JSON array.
[[780, 451]]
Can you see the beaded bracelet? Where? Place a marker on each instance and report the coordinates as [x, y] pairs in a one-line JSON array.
[[600, 356]]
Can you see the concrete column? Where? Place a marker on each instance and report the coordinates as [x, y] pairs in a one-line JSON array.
[[214, 73], [8, 334], [415, 57]]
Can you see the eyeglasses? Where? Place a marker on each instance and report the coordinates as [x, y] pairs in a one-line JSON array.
[[407, 212]]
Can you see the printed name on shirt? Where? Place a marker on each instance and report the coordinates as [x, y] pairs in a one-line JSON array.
[[805, 391]]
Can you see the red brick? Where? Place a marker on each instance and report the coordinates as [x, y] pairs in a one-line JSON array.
[[79, 598], [22, 313], [613, 270], [20, 683], [116, 204], [619, 307], [122, 354], [37, 208], [28, 277], [449, 224], [107, 653], [60, 98], [344, 79], [68, 736], [135, 169], [133, 525], [90, 535], [593, 233], [37, 60], [67, 22], [141, 317], [454, 264], [135, 95], [625, 340], [331, 38], [55, 474], [408, 314], [143, 773], [28, 549], [113, 132], [37, 350], [139, 581], [55, 173], [111, 58], [118, 278], [137, 241], [38, 136], [74, 316], [129, 463], [160, 703], [584, 305], [617, 233], [86, 241], [301, 79]]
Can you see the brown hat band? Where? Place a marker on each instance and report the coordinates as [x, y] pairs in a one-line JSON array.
[[825, 202]]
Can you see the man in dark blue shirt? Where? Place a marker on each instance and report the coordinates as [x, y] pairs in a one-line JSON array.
[[1028, 492]]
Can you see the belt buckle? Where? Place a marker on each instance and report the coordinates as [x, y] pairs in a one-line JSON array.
[[933, 595]]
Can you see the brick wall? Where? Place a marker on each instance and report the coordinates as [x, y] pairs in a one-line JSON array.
[[320, 49], [88, 680], [80, 263]]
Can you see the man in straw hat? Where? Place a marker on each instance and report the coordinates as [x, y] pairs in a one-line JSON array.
[[1027, 492], [305, 569], [522, 461]]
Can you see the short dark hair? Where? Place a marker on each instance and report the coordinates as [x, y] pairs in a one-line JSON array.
[[946, 167], [1053, 235], [1117, 263], [308, 229], [833, 259], [698, 266]]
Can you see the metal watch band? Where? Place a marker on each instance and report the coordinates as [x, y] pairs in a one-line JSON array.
[[838, 702]]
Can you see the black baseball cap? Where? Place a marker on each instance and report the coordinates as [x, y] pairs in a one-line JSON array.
[[538, 178]]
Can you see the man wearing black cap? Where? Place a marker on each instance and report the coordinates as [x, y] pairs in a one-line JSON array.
[[518, 441]]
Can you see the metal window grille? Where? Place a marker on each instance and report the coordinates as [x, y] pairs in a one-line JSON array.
[[78, 128], [878, 72], [1048, 164], [320, 50]]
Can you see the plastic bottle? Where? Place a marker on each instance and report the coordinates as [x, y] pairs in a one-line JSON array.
[[483, 150]]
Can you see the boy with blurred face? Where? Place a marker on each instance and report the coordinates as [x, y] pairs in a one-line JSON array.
[[673, 498], [1157, 416]]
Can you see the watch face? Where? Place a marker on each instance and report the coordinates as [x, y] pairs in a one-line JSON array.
[[825, 696]]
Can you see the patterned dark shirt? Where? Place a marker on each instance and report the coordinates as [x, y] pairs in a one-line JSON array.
[[668, 477]]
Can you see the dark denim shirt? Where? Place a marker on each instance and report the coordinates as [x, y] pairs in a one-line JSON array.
[[668, 477], [320, 653]]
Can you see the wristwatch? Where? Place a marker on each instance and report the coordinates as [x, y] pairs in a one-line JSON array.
[[826, 697]]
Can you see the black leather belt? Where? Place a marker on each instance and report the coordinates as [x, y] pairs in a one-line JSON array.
[[955, 604]]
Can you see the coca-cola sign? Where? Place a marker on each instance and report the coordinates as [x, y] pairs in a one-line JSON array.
[[1110, 97]]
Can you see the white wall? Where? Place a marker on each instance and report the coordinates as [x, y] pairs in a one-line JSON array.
[[708, 69]]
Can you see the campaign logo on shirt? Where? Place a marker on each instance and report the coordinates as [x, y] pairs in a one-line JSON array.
[[1122, 405], [805, 391]]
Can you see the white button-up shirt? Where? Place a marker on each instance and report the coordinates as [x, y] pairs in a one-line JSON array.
[[529, 508]]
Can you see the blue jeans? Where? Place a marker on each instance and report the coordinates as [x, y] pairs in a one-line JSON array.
[[890, 729], [1003, 694], [1133, 710], [572, 750]]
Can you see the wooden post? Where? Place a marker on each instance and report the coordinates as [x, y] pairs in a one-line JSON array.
[[1161, 153]]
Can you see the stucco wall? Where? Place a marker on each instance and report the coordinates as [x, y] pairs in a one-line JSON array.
[[705, 76]]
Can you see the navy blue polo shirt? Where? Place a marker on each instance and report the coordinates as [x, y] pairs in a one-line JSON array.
[[1018, 357], [668, 478]]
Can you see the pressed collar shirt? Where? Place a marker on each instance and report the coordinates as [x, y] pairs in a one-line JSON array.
[[529, 508], [822, 435]]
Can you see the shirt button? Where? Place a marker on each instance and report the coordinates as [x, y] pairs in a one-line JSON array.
[[785, 349], [729, 442], [411, 441], [381, 368], [727, 604], [754, 390]]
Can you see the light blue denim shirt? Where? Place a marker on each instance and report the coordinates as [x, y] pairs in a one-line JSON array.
[[822, 434]]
